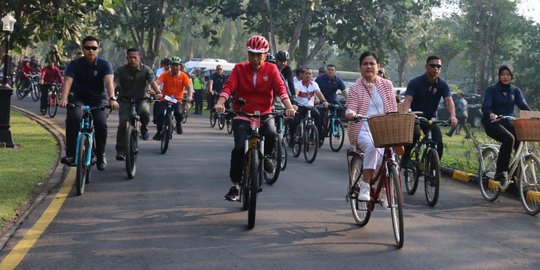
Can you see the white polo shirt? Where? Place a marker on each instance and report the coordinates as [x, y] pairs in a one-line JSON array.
[[306, 94]]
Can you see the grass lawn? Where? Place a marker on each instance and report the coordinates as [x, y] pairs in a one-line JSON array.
[[22, 169]]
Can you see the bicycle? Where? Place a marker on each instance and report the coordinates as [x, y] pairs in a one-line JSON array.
[[53, 98], [279, 155], [306, 135], [132, 136], [424, 161], [524, 171], [84, 156], [32, 88], [334, 128], [213, 117], [387, 177], [168, 124]]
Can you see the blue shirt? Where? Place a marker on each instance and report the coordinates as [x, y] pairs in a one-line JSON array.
[[217, 82], [88, 78], [500, 99], [427, 95], [329, 87]]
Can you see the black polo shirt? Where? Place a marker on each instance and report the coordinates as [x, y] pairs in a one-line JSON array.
[[427, 95], [217, 82], [329, 87], [88, 78]]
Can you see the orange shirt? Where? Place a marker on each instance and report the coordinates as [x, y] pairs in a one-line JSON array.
[[174, 85]]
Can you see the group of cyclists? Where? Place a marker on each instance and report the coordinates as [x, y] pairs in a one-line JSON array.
[[263, 81]]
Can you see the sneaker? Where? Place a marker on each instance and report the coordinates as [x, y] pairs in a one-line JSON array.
[[364, 191], [449, 134], [101, 163], [268, 165], [43, 111], [232, 195], [157, 137], [145, 135], [383, 199], [70, 161], [120, 156], [179, 128]]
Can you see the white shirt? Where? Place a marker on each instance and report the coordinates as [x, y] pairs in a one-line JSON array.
[[306, 94]]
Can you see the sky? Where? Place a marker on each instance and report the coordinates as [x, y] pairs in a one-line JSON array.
[[527, 8]]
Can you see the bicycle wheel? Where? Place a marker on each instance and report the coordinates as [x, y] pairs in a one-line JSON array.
[[131, 151], [246, 183], [360, 209], [311, 143], [432, 176], [221, 121], [337, 136], [410, 176], [276, 160], [213, 118], [53, 105], [20, 92], [184, 119], [35, 93], [298, 141], [166, 132], [255, 175], [229, 125], [396, 205], [283, 155], [489, 188], [82, 168], [529, 185]]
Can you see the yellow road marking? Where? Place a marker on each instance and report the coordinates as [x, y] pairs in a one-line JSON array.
[[18, 253]]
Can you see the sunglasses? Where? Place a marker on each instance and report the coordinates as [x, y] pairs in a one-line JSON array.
[[90, 48], [435, 66]]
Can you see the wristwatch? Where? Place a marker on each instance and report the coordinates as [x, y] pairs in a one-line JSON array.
[[113, 98]]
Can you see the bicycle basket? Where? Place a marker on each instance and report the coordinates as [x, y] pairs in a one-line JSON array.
[[527, 129], [394, 129]]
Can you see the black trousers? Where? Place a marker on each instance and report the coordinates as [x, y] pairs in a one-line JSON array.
[[73, 119], [241, 131], [302, 113], [198, 100], [159, 110], [504, 132], [44, 88], [436, 135]]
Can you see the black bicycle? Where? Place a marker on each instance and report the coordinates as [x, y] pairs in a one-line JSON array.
[[133, 132], [425, 162], [168, 124], [279, 156], [306, 136]]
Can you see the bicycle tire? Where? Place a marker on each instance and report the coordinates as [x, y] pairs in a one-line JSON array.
[[185, 116], [410, 176], [283, 155], [213, 118], [229, 126], [246, 183], [489, 188], [221, 122], [529, 185], [21, 93], [131, 151], [432, 177], [53, 105], [271, 178], [311, 143], [166, 132], [297, 139], [337, 136], [360, 209], [82, 168], [396, 206], [35, 93], [255, 173]]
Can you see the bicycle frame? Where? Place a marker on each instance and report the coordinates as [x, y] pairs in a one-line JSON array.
[[86, 129]]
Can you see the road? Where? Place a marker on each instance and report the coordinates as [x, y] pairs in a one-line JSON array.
[[173, 216]]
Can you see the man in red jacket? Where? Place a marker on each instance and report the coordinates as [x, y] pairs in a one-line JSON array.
[[256, 82]]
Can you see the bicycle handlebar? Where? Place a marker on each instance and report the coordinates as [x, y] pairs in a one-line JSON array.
[[431, 122], [503, 117], [89, 108]]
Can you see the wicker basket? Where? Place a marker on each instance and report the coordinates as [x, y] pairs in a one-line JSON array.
[[527, 129], [394, 129]]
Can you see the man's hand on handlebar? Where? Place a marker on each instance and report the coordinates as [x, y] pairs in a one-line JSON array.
[[219, 108]]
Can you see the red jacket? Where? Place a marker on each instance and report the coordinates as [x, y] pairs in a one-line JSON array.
[[260, 97]]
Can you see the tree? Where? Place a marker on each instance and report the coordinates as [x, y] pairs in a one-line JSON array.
[[527, 64]]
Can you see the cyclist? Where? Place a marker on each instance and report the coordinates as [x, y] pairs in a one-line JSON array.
[[282, 57], [215, 84], [256, 82], [26, 70], [49, 74], [500, 99], [132, 81], [369, 95], [88, 81], [270, 58], [423, 94], [306, 90], [174, 84], [329, 84]]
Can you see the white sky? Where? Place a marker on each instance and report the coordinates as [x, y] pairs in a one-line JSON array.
[[527, 8]]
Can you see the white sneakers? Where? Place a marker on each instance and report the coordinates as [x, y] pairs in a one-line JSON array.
[[382, 197], [364, 191]]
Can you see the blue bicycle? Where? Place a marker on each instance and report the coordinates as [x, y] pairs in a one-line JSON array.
[[84, 156]]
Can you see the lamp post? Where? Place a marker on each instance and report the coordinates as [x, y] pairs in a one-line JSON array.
[[8, 23]]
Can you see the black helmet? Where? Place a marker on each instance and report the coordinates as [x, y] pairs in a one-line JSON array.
[[270, 58], [166, 61], [282, 55]]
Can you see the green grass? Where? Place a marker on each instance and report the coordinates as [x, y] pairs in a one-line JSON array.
[[23, 168]]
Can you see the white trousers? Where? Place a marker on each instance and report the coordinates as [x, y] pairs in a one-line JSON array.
[[372, 156]]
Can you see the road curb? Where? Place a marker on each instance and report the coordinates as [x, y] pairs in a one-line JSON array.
[[53, 179], [460, 176]]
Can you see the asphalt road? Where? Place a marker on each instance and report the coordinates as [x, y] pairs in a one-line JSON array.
[[173, 216]]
